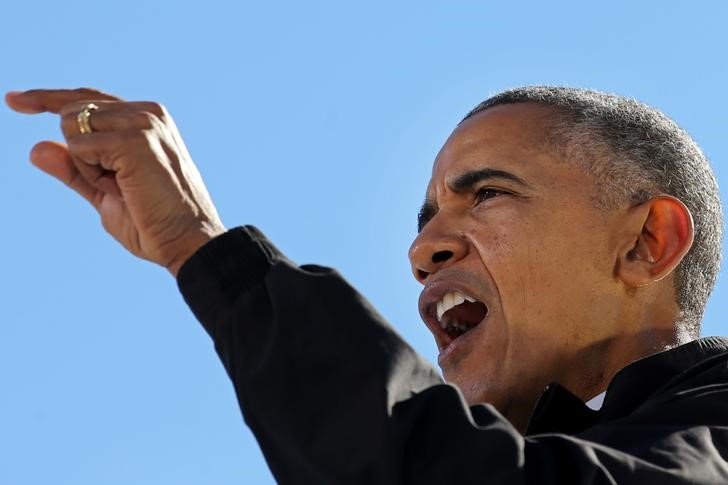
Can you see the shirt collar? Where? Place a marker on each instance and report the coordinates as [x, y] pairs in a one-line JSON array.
[[595, 403], [558, 410]]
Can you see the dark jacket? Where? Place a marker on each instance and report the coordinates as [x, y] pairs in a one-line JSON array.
[[335, 396]]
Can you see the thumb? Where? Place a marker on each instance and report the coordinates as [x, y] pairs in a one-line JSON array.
[[54, 159]]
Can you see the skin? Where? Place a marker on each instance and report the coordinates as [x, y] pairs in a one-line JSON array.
[[134, 169], [573, 293]]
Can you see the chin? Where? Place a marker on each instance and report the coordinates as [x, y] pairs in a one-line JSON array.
[[476, 390]]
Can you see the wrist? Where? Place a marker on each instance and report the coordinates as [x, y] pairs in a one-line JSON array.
[[192, 243]]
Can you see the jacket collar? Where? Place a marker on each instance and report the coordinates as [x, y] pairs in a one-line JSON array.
[[558, 410]]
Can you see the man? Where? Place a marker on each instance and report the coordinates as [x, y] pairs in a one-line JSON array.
[[568, 242]]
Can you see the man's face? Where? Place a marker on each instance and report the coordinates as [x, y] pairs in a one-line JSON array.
[[513, 226]]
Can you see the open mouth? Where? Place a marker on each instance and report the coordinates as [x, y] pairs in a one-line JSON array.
[[457, 313]]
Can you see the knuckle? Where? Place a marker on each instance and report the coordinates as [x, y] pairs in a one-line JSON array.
[[156, 125], [146, 119], [157, 109]]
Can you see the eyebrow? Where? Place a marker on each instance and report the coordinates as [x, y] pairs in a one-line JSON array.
[[463, 183]]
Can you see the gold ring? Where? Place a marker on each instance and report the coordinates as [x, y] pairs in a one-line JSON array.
[[83, 119]]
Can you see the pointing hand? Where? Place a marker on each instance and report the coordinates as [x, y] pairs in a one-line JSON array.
[[133, 167]]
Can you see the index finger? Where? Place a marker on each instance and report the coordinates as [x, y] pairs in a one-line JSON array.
[[52, 100]]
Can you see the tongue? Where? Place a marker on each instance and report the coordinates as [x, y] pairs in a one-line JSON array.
[[469, 313]]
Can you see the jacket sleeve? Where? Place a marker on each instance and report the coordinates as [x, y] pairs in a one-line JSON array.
[[335, 396]]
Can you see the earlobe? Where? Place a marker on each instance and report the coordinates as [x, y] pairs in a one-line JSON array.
[[661, 234]]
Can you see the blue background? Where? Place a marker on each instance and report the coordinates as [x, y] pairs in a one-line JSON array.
[[316, 121]]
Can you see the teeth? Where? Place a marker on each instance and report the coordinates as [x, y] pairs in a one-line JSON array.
[[453, 326], [450, 300]]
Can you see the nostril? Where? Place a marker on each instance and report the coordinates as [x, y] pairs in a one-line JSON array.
[[441, 256]]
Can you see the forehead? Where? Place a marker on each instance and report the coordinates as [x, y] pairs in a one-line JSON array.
[[509, 137]]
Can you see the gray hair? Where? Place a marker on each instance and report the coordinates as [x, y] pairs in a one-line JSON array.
[[636, 152]]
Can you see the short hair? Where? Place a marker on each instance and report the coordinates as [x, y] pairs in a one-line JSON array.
[[635, 152]]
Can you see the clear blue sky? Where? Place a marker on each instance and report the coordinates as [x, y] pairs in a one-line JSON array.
[[316, 121]]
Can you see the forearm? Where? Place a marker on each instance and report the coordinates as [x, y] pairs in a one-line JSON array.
[[316, 369]]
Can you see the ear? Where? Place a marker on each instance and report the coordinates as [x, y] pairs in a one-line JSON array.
[[661, 234]]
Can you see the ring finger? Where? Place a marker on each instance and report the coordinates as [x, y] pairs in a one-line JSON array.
[[110, 116]]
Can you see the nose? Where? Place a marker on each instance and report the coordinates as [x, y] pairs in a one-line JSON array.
[[435, 247]]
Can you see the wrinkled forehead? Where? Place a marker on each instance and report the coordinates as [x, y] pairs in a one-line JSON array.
[[504, 136]]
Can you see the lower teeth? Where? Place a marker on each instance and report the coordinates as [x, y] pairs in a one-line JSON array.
[[458, 330]]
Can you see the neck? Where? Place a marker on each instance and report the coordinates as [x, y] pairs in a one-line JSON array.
[[602, 362]]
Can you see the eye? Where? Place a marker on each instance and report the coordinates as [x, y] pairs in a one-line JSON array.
[[487, 193]]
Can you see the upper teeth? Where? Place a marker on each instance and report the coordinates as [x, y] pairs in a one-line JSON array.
[[449, 300]]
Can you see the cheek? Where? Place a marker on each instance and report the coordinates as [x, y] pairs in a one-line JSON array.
[[517, 256], [541, 272], [565, 299]]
